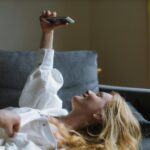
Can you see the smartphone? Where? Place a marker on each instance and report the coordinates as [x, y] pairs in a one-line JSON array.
[[60, 20]]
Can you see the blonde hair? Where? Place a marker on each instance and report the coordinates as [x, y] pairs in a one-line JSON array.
[[120, 130]]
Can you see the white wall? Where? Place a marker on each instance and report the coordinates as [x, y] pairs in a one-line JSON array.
[[116, 29], [20, 30]]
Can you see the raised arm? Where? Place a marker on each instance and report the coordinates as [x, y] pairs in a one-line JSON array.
[[42, 85], [47, 29]]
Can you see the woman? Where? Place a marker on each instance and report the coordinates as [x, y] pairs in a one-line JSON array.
[[45, 125]]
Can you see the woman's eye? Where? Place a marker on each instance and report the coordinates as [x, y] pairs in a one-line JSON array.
[[99, 94], [87, 92], [83, 95]]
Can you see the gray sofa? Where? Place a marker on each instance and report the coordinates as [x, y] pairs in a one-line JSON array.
[[79, 69]]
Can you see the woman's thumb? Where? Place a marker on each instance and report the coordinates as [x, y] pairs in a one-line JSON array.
[[9, 131]]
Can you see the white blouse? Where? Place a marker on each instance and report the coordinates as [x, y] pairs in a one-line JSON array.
[[38, 102]]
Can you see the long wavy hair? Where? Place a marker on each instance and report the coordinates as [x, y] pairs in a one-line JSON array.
[[120, 130]]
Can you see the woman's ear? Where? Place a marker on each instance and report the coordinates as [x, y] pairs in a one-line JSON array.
[[98, 116]]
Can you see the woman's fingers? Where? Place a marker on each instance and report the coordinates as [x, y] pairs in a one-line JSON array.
[[43, 12], [46, 26], [16, 127], [48, 13], [9, 130], [54, 14], [8, 120], [44, 20]]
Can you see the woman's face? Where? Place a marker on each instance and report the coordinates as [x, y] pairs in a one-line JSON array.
[[89, 102]]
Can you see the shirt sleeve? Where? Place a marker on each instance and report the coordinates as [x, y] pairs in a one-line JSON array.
[[45, 58], [40, 90]]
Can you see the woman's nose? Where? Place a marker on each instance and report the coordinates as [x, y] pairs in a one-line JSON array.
[[85, 94]]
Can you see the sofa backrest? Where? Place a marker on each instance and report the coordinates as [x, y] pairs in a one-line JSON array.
[[79, 69]]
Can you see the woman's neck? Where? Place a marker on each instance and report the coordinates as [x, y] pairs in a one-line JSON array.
[[74, 121]]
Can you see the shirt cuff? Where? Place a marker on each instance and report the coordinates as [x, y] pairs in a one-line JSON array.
[[45, 58]]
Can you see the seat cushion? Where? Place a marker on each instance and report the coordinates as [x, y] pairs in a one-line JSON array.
[[79, 69], [14, 68], [145, 144], [145, 124]]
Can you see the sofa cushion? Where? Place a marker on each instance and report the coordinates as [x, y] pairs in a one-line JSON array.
[[79, 69], [14, 68], [145, 144], [145, 124]]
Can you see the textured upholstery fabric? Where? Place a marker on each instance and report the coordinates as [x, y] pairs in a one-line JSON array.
[[145, 124], [146, 144], [14, 69], [79, 69]]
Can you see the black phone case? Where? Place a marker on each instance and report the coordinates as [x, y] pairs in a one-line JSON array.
[[60, 20]]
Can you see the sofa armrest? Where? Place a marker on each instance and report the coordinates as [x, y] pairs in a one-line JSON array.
[[139, 97]]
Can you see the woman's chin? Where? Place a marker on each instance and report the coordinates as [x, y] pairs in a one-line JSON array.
[[76, 100]]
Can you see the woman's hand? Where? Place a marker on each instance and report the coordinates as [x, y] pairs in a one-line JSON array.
[[47, 29], [45, 26], [9, 121]]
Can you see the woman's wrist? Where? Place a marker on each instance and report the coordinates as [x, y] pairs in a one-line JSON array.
[[47, 33], [47, 40]]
